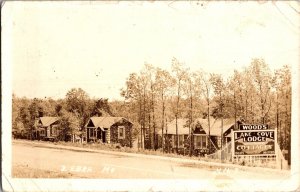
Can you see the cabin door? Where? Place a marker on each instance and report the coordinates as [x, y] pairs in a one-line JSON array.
[[48, 132], [103, 136], [99, 133]]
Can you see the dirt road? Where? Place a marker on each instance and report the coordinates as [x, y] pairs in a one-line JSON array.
[[53, 162]]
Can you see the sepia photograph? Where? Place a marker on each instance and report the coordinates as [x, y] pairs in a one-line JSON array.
[[150, 95]]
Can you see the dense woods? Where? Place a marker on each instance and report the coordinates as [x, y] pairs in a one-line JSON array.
[[74, 111], [154, 97], [254, 94]]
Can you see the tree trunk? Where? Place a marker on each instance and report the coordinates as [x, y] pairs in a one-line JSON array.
[[235, 114], [280, 136], [176, 139], [208, 119], [262, 112], [144, 116], [191, 120], [154, 125], [141, 125], [130, 137], [246, 107], [176, 119], [262, 104], [287, 127], [163, 123], [150, 134], [86, 137], [277, 118], [221, 125], [167, 138], [251, 109]]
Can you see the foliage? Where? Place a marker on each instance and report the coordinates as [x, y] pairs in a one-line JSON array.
[[253, 95], [73, 112], [69, 125], [154, 97]]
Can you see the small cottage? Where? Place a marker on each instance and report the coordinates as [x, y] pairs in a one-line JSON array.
[[170, 139], [200, 133], [116, 130], [47, 128], [202, 130]]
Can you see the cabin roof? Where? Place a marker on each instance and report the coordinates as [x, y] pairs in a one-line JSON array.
[[183, 127], [47, 121], [215, 125], [105, 122]]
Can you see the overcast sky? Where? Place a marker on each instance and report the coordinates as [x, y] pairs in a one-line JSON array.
[[56, 46]]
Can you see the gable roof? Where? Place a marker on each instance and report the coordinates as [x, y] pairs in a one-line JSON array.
[[47, 121], [183, 127], [105, 122], [215, 125]]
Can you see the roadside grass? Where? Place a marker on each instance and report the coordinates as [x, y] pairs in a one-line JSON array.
[[22, 171], [158, 152], [117, 148]]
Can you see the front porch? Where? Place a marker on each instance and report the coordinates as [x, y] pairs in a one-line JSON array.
[[96, 134]]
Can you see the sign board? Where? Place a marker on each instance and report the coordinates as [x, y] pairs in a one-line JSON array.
[[256, 142], [253, 127]]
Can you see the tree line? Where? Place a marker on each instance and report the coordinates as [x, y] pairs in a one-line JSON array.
[[73, 111], [154, 96]]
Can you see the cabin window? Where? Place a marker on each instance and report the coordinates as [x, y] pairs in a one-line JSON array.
[[200, 141], [121, 132], [53, 131], [185, 137], [173, 140], [181, 140], [203, 138], [91, 133], [197, 142]]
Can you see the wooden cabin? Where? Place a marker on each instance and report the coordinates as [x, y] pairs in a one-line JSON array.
[[47, 128], [115, 130], [201, 130], [200, 137], [170, 139], [200, 134]]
